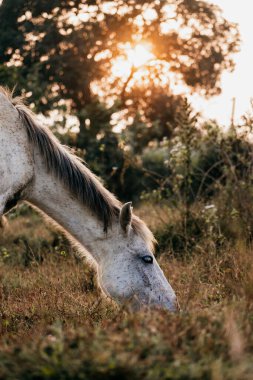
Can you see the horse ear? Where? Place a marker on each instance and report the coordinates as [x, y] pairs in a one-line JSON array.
[[125, 217]]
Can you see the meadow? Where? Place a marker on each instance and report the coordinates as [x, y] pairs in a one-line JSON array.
[[110, 78], [56, 325]]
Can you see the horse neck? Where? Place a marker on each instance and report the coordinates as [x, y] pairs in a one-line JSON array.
[[48, 194]]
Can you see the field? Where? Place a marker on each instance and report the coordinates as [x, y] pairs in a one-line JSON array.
[[56, 325], [123, 83]]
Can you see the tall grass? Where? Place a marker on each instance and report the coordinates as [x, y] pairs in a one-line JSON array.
[[55, 324]]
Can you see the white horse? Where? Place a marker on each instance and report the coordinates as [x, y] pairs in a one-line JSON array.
[[36, 168]]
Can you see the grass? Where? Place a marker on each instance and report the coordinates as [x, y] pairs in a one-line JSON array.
[[55, 324]]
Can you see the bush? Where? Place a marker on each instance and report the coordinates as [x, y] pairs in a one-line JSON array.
[[208, 185]]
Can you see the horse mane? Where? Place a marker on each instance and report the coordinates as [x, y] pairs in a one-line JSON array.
[[73, 173]]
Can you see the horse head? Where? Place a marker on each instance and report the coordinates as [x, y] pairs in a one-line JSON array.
[[128, 270]]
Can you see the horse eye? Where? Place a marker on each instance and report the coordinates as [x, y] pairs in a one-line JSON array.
[[147, 259]]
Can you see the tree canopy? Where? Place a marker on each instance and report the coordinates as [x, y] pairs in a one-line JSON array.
[[57, 50], [94, 59]]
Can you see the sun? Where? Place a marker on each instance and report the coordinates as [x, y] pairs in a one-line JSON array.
[[140, 54], [137, 65], [133, 57]]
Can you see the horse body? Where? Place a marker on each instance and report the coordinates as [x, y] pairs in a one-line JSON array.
[[34, 167]]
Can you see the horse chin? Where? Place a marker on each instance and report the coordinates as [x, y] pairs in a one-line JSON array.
[[135, 305], [171, 305]]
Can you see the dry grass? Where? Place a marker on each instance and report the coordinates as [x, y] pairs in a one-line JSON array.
[[54, 323]]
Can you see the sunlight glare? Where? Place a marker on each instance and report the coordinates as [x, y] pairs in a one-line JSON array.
[[133, 57], [139, 55]]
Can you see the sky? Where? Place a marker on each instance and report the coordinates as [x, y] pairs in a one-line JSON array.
[[238, 84]]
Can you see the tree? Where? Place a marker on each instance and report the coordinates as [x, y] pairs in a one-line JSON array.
[[61, 54], [63, 47]]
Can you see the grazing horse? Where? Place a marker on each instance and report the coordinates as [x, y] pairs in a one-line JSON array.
[[36, 168]]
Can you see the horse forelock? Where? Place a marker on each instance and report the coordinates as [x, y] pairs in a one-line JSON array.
[[73, 173]]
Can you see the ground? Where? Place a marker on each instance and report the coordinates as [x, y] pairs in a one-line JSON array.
[[55, 324]]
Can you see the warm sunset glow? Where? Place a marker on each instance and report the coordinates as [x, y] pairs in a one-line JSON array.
[[133, 57], [139, 55]]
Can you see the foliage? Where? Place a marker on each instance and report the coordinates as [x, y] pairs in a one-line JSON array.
[[60, 54], [208, 184], [57, 51], [55, 46]]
